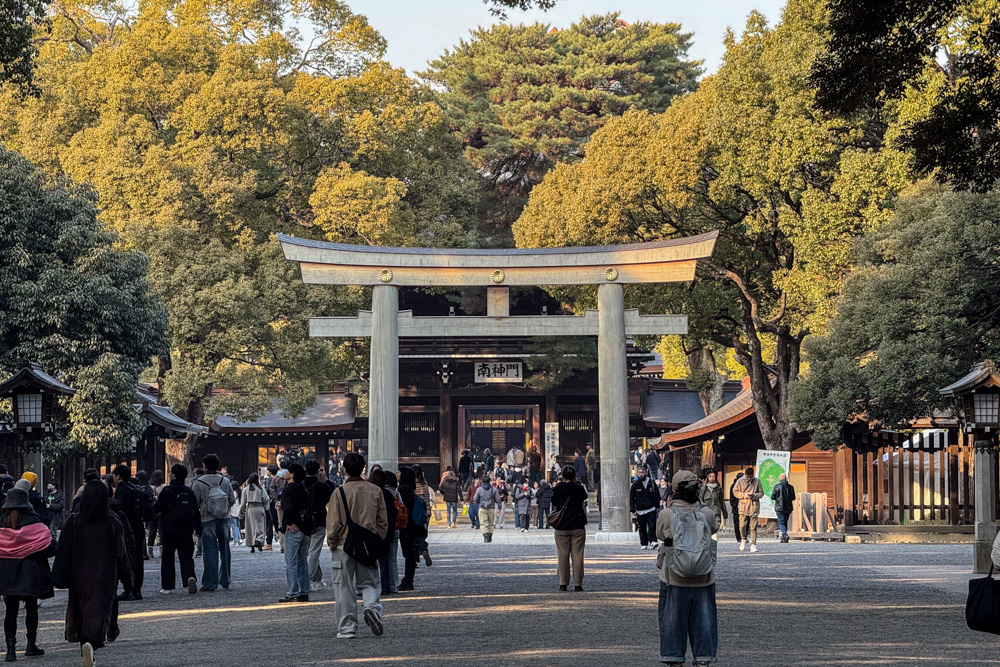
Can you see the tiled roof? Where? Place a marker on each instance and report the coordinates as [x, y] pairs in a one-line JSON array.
[[331, 411]]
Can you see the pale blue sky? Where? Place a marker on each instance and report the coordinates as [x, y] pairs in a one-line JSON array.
[[420, 30]]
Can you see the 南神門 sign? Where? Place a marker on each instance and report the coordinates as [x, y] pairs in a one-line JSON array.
[[499, 371]]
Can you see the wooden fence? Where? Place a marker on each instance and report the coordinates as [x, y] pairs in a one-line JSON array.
[[899, 479]]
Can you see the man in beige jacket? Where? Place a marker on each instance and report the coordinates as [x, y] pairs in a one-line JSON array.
[[367, 509], [749, 492]]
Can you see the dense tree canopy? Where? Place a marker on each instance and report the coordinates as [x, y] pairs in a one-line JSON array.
[[75, 303], [18, 21], [206, 128], [749, 155], [524, 98], [937, 59], [919, 310]]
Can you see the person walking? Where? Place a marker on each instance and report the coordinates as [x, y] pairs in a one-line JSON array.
[[132, 501], [297, 525], [320, 489], [711, 495], [487, 498], [522, 504], [544, 497], [415, 530], [379, 478], [783, 495], [180, 520], [643, 499], [215, 497], [397, 522], [470, 502], [424, 491], [156, 484], [653, 464], [236, 537], [55, 505], [734, 507], [450, 487], [91, 558], [255, 503], [579, 466], [465, 468], [356, 507], [749, 491], [571, 532], [591, 461], [500, 513], [26, 544], [534, 464], [270, 513], [665, 492], [687, 609]]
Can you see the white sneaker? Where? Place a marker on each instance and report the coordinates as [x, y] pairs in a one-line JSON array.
[[643, 547], [753, 548], [346, 635], [87, 652], [652, 545], [164, 591], [743, 545], [317, 586]]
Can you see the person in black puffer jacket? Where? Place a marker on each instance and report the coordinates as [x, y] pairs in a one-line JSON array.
[[25, 547], [571, 533]]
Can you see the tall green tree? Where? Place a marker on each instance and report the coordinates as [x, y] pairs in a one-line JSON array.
[[524, 98], [787, 187], [18, 21], [206, 127], [921, 307], [938, 61], [77, 304]]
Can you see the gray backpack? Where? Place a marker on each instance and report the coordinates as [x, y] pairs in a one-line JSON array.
[[217, 502], [694, 555]]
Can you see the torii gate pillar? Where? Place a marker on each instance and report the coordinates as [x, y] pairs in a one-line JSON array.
[[612, 397], [383, 397]]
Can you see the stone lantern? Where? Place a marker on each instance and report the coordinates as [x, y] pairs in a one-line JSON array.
[[979, 392], [31, 391]]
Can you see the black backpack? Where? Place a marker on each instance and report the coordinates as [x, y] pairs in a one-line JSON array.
[[361, 544], [185, 507], [144, 503]]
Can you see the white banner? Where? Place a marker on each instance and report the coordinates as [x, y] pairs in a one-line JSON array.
[[499, 371], [771, 464], [551, 443]]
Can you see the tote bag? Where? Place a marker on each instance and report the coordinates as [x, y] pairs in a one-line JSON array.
[[982, 609]]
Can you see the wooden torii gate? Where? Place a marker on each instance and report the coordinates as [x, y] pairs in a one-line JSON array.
[[609, 267]]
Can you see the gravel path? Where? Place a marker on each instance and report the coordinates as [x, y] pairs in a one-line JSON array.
[[796, 604]]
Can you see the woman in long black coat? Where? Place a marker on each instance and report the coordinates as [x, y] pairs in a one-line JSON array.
[[25, 547], [90, 559]]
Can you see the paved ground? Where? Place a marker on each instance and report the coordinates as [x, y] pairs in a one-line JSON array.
[[796, 604]]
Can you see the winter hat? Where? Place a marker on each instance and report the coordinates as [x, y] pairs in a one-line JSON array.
[[31, 477], [17, 499], [23, 485]]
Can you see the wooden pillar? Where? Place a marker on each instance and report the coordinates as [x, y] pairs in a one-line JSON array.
[[985, 482], [383, 410], [612, 377], [843, 464], [448, 450]]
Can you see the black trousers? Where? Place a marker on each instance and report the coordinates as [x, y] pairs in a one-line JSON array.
[[152, 528], [183, 545], [139, 558], [12, 602], [736, 525], [271, 523], [410, 546], [647, 527]]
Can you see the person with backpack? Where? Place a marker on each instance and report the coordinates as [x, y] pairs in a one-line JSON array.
[[320, 489], [686, 561], [544, 497], [141, 483], [356, 526], [397, 513], [473, 508], [379, 478], [749, 491], [179, 519], [643, 499], [133, 505], [215, 497], [416, 526], [488, 499], [297, 525], [783, 496]]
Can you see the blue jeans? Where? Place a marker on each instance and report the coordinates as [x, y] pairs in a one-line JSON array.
[[236, 529], [688, 613], [474, 514], [452, 512], [297, 563], [783, 523], [215, 553]]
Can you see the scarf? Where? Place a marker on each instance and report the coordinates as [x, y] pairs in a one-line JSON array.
[[28, 540]]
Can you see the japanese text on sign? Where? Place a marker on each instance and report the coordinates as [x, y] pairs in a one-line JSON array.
[[499, 372]]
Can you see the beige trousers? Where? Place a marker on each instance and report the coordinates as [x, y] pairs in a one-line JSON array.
[[570, 543]]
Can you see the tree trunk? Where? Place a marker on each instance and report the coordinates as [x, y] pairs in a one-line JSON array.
[[702, 358]]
